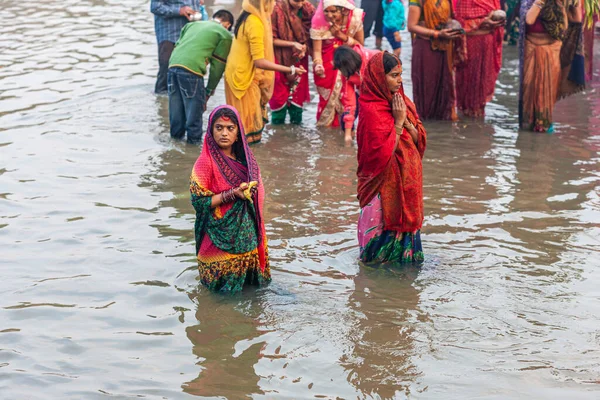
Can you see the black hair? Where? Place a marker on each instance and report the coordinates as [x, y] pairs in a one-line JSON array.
[[242, 18], [390, 62], [225, 16], [347, 61], [238, 145]]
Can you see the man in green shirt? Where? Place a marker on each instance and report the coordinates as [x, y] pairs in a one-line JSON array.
[[200, 44]]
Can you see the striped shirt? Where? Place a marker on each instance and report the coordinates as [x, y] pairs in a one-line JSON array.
[[167, 21]]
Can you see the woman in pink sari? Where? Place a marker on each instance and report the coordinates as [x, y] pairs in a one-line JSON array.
[[476, 75], [336, 22]]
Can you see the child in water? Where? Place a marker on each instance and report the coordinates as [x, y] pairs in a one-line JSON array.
[[351, 62], [394, 21]]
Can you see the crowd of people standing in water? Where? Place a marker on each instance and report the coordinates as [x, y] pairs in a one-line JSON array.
[[456, 59]]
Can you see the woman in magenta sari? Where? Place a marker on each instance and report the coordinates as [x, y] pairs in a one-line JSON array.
[[227, 194], [336, 22]]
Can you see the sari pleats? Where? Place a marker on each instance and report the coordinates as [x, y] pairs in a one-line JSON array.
[[476, 78], [433, 82], [541, 78]]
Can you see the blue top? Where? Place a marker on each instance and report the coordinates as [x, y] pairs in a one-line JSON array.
[[168, 22], [393, 15]]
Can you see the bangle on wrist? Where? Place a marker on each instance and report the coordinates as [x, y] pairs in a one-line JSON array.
[[227, 196], [317, 61], [292, 70]]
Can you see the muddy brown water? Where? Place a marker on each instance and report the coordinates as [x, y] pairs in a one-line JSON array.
[[99, 297]]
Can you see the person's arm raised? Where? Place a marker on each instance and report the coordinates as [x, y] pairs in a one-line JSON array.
[[534, 12], [271, 66]]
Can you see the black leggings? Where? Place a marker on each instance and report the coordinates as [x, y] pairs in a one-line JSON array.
[[373, 13]]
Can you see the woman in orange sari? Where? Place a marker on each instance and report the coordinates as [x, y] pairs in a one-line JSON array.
[[390, 173], [544, 25], [335, 23]]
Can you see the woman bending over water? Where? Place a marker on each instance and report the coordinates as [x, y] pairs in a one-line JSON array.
[[390, 173], [351, 63], [228, 194]]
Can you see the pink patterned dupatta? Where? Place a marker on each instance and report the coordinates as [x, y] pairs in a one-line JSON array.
[[214, 173]]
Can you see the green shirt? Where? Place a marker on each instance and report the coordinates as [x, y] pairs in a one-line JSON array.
[[202, 43]]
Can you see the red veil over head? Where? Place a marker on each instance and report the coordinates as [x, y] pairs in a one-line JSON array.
[[394, 172]]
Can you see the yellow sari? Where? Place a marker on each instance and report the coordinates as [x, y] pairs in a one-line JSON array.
[[248, 88]]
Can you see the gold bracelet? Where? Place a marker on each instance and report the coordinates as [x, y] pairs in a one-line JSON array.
[[317, 61]]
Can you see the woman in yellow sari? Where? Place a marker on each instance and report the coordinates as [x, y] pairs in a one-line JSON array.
[[249, 76]]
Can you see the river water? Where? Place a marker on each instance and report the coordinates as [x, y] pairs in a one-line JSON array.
[[99, 296]]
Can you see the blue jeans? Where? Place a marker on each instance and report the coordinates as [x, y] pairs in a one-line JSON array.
[[187, 98], [389, 35]]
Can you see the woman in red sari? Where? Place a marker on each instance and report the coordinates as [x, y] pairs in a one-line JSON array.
[[228, 195], [291, 21], [336, 22], [390, 173], [476, 75]]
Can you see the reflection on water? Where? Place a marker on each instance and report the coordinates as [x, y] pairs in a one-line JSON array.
[[385, 301], [220, 330], [99, 291]]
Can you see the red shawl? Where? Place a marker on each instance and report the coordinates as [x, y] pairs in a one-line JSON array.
[[471, 13], [396, 174], [288, 26], [214, 173]]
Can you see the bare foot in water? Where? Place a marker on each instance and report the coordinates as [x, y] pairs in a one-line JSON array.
[[348, 138]]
